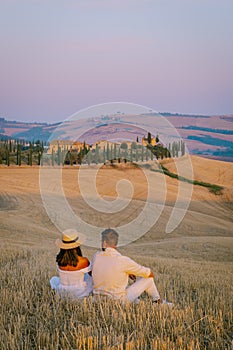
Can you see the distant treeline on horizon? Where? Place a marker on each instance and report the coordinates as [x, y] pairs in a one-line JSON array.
[[59, 152]]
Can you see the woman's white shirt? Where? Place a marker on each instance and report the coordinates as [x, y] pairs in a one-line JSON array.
[[77, 284]]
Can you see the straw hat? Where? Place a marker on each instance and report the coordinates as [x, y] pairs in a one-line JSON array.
[[69, 240]]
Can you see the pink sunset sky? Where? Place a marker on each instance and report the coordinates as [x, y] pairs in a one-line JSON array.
[[59, 56]]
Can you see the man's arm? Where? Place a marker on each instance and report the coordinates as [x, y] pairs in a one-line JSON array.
[[133, 277], [133, 268]]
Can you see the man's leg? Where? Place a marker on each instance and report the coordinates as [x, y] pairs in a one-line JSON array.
[[142, 285]]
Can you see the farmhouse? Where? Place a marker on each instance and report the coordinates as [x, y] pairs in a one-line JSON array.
[[145, 141], [65, 145]]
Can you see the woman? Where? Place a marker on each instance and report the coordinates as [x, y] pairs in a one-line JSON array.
[[73, 268]]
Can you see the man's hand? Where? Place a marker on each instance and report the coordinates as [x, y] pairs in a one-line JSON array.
[[132, 277]]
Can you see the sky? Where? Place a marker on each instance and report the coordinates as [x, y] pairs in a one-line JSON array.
[[60, 56]]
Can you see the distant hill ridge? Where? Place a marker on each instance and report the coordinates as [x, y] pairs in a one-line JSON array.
[[204, 135]]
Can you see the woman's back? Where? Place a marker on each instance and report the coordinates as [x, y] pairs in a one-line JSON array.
[[81, 264], [73, 268]]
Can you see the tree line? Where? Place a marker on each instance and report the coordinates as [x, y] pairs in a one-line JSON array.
[[20, 152], [174, 149]]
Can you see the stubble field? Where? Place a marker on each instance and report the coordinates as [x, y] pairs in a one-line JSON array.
[[192, 265]]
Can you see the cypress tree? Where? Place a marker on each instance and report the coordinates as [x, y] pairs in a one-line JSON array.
[[97, 154], [173, 149], [177, 147], [30, 154], [89, 156], [136, 155], [169, 148], [7, 157], [111, 153], [71, 158], [119, 155], [39, 158], [115, 151], [19, 154], [149, 138], [146, 153], [182, 148], [59, 155], [104, 155], [52, 157], [151, 154], [42, 158], [108, 154]]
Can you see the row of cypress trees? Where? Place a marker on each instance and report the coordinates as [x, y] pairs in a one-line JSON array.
[[19, 152]]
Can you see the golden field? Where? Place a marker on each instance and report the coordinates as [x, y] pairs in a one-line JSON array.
[[193, 266]]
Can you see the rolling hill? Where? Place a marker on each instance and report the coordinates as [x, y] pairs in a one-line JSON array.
[[208, 136]]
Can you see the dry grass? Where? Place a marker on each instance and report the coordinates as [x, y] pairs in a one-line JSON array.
[[34, 318], [193, 268]]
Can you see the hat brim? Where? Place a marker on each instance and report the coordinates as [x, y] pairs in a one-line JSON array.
[[63, 245]]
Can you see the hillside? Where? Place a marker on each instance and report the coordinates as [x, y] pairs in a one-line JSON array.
[[210, 136], [27, 131], [205, 232]]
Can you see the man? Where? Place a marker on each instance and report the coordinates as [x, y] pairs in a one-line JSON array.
[[110, 272]]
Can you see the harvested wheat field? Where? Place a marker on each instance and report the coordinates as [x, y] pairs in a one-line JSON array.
[[193, 264]]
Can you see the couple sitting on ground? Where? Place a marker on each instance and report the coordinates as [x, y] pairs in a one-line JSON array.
[[107, 274]]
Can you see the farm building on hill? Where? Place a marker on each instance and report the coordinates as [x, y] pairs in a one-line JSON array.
[[152, 142], [103, 144], [65, 145]]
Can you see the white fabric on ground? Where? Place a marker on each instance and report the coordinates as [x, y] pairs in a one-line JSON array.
[[76, 284]]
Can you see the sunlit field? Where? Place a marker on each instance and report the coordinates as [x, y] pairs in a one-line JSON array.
[[193, 268], [33, 317]]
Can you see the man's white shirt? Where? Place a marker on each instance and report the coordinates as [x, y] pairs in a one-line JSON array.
[[110, 271]]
